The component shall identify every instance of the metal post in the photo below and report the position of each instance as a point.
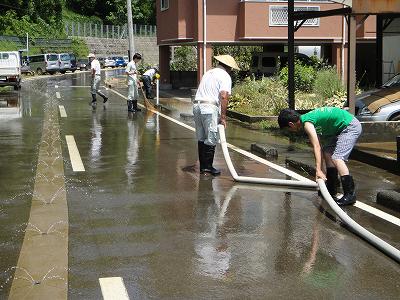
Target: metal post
(351, 69)
(27, 44)
(379, 50)
(95, 29)
(130, 29)
(158, 103)
(291, 54)
(398, 148)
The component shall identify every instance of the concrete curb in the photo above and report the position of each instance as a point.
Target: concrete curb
(389, 199)
(387, 164)
(264, 151)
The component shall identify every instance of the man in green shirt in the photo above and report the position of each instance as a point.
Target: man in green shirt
(338, 131)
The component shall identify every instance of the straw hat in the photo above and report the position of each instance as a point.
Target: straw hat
(227, 60)
(91, 55)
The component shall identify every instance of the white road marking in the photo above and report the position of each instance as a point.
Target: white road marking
(113, 288)
(381, 214)
(63, 113)
(360, 205)
(75, 157)
(58, 96)
(56, 86)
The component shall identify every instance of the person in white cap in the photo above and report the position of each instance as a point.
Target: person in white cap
(95, 79)
(209, 109)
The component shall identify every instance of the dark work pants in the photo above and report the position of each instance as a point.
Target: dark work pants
(147, 85)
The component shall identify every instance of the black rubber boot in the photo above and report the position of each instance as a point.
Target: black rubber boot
(200, 147)
(130, 105)
(94, 101)
(209, 152)
(135, 107)
(349, 191)
(332, 181)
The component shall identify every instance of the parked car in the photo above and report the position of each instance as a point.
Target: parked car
(267, 63)
(65, 62)
(119, 61)
(381, 104)
(126, 59)
(83, 64)
(74, 63)
(44, 63)
(10, 69)
(109, 62)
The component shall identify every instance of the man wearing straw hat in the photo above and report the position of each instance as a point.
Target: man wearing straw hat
(209, 109)
(95, 79)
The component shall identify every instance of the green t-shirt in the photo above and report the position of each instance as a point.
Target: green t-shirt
(328, 121)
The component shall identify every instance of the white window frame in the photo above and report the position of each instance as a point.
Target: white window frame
(164, 4)
(296, 8)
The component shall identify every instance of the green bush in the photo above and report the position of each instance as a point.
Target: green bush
(267, 96)
(327, 83)
(184, 59)
(11, 24)
(304, 76)
(79, 47)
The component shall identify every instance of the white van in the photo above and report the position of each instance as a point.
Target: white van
(10, 69)
(267, 63)
(44, 63)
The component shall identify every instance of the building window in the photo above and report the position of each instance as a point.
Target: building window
(278, 15)
(164, 4)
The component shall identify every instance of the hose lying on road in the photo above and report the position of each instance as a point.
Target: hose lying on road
(355, 227)
(306, 183)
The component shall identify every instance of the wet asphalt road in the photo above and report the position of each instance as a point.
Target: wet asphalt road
(141, 211)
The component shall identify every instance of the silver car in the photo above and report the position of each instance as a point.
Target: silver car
(380, 104)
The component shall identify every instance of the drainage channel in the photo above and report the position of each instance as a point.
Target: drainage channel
(42, 269)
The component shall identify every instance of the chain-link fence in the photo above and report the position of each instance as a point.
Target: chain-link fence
(75, 29)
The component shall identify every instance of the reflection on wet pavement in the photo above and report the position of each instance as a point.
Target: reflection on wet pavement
(142, 212)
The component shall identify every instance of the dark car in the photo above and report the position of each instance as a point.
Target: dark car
(119, 61)
(83, 64)
(74, 63)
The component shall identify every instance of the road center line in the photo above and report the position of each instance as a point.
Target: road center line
(75, 157)
(56, 86)
(374, 211)
(58, 96)
(63, 113)
(113, 288)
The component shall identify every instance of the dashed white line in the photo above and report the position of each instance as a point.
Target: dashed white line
(75, 157)
(58, 96)
(56, 86)
(360, 205)
(113, 288)
(63, 113)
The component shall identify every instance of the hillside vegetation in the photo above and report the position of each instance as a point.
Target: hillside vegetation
(45, 18)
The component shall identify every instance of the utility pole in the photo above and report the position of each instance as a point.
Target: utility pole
(291, 54)
(130, 29)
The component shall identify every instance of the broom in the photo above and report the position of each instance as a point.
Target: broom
(147, 102)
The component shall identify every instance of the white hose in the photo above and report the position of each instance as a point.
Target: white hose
(357, 228)
(300, 184)
(354, 226)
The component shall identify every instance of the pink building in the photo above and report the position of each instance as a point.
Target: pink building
(255, 22)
